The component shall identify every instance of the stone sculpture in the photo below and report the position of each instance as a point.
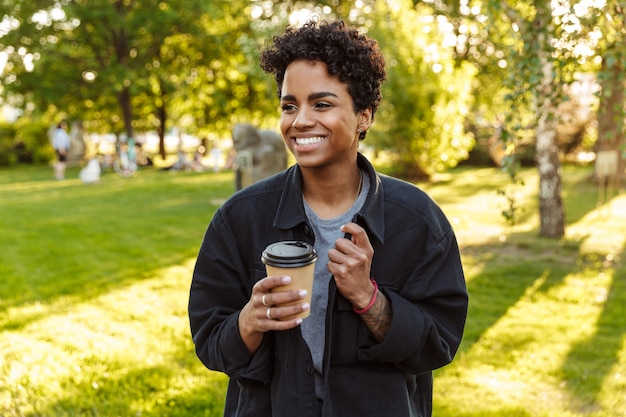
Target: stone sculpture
(260, 154)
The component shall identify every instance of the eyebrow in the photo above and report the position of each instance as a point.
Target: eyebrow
(313, 96)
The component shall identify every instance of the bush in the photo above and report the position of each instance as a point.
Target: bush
(25, 141)
(32, 144)
(7, 144)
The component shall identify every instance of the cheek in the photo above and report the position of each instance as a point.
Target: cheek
(284, 126)
(285, 123)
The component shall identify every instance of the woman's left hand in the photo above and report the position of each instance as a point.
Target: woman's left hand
(350, 263)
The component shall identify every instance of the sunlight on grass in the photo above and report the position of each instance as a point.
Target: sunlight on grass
(94, 295)
(86, 349)
(616, 382)
(546, 345)
(602, 230)
(475, 209)
(95, 283)
(522, 354)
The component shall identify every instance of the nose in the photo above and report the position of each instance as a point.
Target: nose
(303, 119)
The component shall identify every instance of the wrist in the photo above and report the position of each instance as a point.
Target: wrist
(371, 302)
(250, 337)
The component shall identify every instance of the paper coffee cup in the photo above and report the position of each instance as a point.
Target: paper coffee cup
(296, 259)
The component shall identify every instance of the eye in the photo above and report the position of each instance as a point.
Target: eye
(322, 105)
(286, 108)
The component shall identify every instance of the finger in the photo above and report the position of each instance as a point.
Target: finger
(286, 313)
(357, 234)
(345, 249)
(266, 284)
(264, 301)
(343, 262)
(342, 252)
(272, 299)
(277, 320)
(280, 325)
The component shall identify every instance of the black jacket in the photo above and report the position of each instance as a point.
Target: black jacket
(416, 264)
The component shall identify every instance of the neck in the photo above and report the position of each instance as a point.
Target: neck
(331, 196)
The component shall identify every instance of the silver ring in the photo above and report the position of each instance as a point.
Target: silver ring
(263, 301)
(267, 314)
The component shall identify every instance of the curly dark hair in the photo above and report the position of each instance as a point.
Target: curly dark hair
(354, 58)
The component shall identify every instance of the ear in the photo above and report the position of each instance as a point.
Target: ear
(365, 119)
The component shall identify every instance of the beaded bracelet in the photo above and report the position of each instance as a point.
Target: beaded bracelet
(372, 301)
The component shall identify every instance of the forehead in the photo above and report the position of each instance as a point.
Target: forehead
(305, 77)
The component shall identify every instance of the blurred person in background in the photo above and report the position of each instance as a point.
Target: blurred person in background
(61, 145)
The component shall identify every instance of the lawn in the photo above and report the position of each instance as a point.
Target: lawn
(95, 280)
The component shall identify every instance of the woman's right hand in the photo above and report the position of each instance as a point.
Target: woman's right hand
(262, 313)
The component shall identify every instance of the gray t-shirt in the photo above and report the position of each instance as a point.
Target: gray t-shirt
(326, 232)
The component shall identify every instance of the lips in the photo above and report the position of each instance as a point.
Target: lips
(309, 141)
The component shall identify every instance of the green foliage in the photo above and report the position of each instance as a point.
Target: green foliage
(511, 166)
(231, 87)
(123, 66)
(426, 98)
(25, 141)
(32, 141)
(114, 64)
(194, 65)
(7, 144)
(539, 67)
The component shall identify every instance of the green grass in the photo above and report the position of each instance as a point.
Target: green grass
(94, 291)
(547, 322)
(95, 280)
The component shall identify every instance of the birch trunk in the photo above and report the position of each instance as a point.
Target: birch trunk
(551, 212)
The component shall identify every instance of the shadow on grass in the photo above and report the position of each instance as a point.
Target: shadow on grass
(584, 373)
(66, 240)
(509, 269)
(162, 390)
(506, 271)
(458, 185)
(579, 191)
(579, 196)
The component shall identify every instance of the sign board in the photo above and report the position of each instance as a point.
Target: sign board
(607, 163)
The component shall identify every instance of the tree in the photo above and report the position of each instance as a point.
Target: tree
(607, 20)
(427, 96)
(125, 65)
(231, 87)
(538, 71)
(99, 60)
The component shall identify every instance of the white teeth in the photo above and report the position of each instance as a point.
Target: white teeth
(309, 141)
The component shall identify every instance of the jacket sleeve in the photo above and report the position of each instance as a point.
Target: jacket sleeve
(429, 310)
(220, 287)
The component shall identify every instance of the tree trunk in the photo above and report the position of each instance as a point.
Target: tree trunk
(551, 212)
(162, 116)
(610, 113)
(127, 112)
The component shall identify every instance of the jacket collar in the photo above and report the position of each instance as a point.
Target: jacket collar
(290, 210)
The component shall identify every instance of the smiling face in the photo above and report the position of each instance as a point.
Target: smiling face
(318, 122)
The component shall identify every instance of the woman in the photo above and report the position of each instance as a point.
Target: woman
(389, 299)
